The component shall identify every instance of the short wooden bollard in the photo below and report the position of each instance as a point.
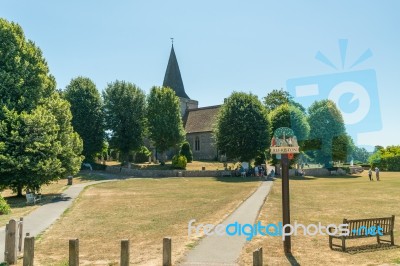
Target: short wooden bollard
(125, 252)
(73, 252)
(167, 252)
(258, 257)
(10, 253)
(29, 251)
(20, 231)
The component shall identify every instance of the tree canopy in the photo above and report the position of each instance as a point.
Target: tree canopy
(276, 98)
(24, 74)
(242, 127)
(87, 115)
(164, 121)
(327, 126)
(124, 107)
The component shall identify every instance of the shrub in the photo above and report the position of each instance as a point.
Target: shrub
(142, 155)
(179, 162)
(187, 152)
(4, 207)
(260, 158)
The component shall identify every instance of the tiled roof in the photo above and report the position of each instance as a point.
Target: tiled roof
(173, 78)
(201, 119)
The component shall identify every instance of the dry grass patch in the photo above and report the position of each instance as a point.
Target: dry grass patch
(329, 200)
(144, 211)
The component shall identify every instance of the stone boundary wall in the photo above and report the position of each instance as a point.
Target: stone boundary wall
(199, 173)
(167, 173)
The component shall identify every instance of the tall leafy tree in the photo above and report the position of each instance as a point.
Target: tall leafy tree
(87, 115)
(164, 119)
(124, 107)
(276, 98)
(24, 74)
(327, 126)
(242, 127)
(37, 142)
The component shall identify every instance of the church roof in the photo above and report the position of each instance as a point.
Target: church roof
(201, 119)
(172, 78)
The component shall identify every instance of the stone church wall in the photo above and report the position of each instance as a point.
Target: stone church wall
(208, 149)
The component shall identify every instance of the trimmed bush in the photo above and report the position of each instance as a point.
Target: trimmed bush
(4, 207)
(179, 162)
(142, 155)
(187, 152)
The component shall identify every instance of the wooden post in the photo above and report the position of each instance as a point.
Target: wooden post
(167, 261)
(10, 253)
(287, 246)
(125, 252)
(29, 251)
(258, 257)
(73, 252)
(20, 231)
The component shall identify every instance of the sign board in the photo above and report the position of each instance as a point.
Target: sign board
(284, 142)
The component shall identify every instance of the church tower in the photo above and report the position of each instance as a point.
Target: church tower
(173, 80)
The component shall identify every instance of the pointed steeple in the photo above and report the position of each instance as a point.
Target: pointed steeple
(173, 77)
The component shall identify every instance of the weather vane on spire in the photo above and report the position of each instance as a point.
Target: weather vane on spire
(172, 40)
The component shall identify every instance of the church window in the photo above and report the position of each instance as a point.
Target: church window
(197, 144)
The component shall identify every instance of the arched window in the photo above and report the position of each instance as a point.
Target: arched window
(197, 144)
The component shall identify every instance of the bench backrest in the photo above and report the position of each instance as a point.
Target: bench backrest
(360, 227)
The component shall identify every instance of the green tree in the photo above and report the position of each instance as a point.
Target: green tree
(276, 98)
(24, 74)
(71, 142)
(87, 115)
(360, 154)
(124, 108)
(187, 151)
(29, 149)
(164, 121)
(242, 127)
(327, 126)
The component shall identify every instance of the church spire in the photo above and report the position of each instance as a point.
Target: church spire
(173, 77)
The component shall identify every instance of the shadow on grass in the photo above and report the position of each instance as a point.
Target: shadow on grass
(367, 248)
(292, 260)
(16, 202)
(237, 179)
(319, 177)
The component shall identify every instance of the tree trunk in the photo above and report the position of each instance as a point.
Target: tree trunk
(19, 191)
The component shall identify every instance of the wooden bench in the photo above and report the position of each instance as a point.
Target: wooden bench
(32, 198)
(363, 228)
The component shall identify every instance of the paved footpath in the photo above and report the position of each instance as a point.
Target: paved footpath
(40, 219)
(225, 250)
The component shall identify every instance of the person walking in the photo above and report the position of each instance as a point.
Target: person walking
(377, 173)
(370, 174)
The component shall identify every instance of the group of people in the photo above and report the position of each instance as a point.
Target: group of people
(258, 170)
(376, 174)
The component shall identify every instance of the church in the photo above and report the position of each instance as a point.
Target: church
(198, 122)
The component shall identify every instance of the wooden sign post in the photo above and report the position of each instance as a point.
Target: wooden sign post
(284, 143)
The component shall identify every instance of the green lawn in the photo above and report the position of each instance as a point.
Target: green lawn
(329, 200)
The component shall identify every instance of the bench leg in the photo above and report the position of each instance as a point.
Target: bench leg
(343, 244)
(392, 238)
(378, 238)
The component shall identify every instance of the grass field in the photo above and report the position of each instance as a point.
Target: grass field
(329, 200)
(18, 205)
(144, 211)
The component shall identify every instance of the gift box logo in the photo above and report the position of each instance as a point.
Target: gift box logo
(354, 92)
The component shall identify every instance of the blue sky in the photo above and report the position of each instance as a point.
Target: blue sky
(221, 46)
